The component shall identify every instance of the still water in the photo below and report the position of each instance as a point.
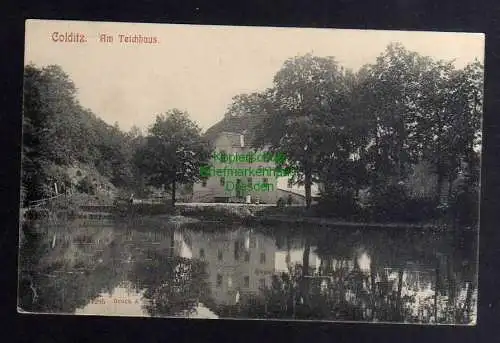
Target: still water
(214, 270)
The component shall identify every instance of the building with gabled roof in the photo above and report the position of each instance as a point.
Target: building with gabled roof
(266, 187)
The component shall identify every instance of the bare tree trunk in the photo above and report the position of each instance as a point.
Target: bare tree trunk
(450, 187)
(305, 269)
(288, 256)
(172, 244)
(468, 300)
(305, 257)
(173, 193)
(451, 282)
(373, 271)
(307, 186)
(439, 183)
(436, 293)
(399, 312)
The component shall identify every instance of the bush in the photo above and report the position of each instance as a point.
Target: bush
(416, 210)
(386, 204)
(85, 186)
(393, 204)
(465, 206)
(37, 214)
(339, 205)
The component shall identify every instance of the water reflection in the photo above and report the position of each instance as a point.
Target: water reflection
(211, 271)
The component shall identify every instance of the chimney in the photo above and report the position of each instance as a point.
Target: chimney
(242, 140)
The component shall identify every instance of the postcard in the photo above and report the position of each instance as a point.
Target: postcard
(250, 173)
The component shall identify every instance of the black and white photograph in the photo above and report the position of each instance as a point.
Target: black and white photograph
(250, 173)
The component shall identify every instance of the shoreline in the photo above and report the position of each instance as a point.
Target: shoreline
(191, 213)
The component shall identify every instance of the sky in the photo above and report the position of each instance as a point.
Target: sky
(199, 68)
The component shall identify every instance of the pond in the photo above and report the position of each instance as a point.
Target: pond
(216, 270)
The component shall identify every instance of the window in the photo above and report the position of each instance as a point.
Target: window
(246, 281)
(253, 242)
(247, 256)
(236, 250)
(262, 257)
(265, 180)
(204, 183)
(219, 255)
(249, 182)
(262, 283)
(219, 280)
(202, 253)
(229, 282)
(290, 183)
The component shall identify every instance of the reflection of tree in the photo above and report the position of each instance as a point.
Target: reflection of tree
(395, 287)
(325, 301)
(65, 291)
(339, 290)
(172, 285)
(339, 294)
(52, 282)
(304, 282)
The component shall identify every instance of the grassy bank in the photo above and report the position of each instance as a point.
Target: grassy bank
(272, 215)
(218, 212)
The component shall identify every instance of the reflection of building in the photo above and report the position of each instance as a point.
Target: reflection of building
(224, 188)
(239, 262)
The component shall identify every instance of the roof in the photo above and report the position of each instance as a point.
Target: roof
(233, 137)
(230, 124)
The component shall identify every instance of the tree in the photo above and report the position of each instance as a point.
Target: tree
(59, 132)
(344, 167)
(303, 110)
(173, 151)
(172, 285)
(464, 138)
(48, 282)
(49, 109)
(389, 93)
(419, 110)
(246, 105)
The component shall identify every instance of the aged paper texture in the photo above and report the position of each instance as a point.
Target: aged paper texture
(250, 173)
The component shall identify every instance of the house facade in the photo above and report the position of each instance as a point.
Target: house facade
(243, 181)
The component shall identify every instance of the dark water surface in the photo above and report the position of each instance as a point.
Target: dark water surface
(214, 270)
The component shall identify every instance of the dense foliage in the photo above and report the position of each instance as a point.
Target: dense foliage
(59, 133)
(362, 136)
(173, 152)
